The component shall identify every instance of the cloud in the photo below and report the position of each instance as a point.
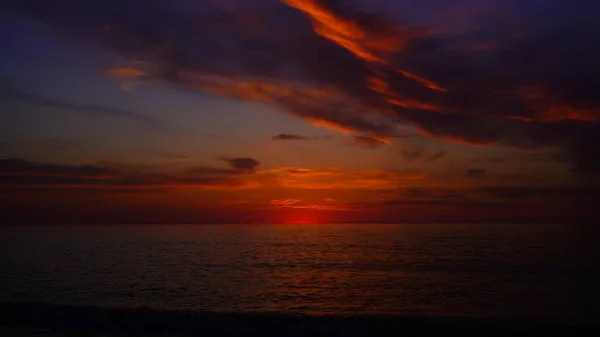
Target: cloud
(411, 155)
(87, 109)
(434, 194)
(588, 194)
(421, 153)
(369, 142)
(430, 198)
(20, 174)
(467, 204)
(541, 200)
(300, 204)
(23, 174)
(324, 207)
(374, 73)
(332, 179)
(475, 173)
(285, 202)
(287, 136)
(437, 155)
(247, 164)
(18, 167)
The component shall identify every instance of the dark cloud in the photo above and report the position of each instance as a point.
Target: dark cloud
(545, 202)
(411, 155)
(437, 155)
(584, 193)
(287, 136)
(9, 93)
(248, 164)
(23, 174)
(421, 153)
(435, 194)
(368, 142)
(438, 200)
(20, 166)
(533, 89)
(469, 204)
(475, 173)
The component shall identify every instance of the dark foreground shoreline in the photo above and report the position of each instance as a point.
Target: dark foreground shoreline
(37, 319)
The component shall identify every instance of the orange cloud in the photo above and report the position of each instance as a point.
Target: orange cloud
(385, 140)
(380, 86)
(368, 45)
(565, 112)
(343, 32)
(457, 140)
(329, 205)
(260, 91)
(120, 72)
(285, 202)
(412, 104)
(329, 125)
(323, 207)
(288, 95)
(303, 178)
(426, 82)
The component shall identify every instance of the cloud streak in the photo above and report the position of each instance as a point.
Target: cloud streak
(476, 173)
(10, 93)
(23, 174)
(332, 179)
(287, 136)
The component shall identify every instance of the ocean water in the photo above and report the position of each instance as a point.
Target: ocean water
(497, 270)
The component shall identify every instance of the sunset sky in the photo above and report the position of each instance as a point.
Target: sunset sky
(303, 111)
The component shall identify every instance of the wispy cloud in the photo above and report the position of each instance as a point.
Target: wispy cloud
(287, 136)
(332, 179)
(285, 202)
(421, 153)
(369, 142)
(14, 94)
(23, 174)
(437, 155)
(293, 137)
(475, 173)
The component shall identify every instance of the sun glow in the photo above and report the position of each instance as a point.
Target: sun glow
(302, 219)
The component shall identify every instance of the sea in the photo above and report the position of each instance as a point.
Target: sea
(441, 270)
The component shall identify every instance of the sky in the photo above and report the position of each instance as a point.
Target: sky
(299, 111)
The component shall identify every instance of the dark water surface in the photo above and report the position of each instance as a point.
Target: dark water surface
(497, 270)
